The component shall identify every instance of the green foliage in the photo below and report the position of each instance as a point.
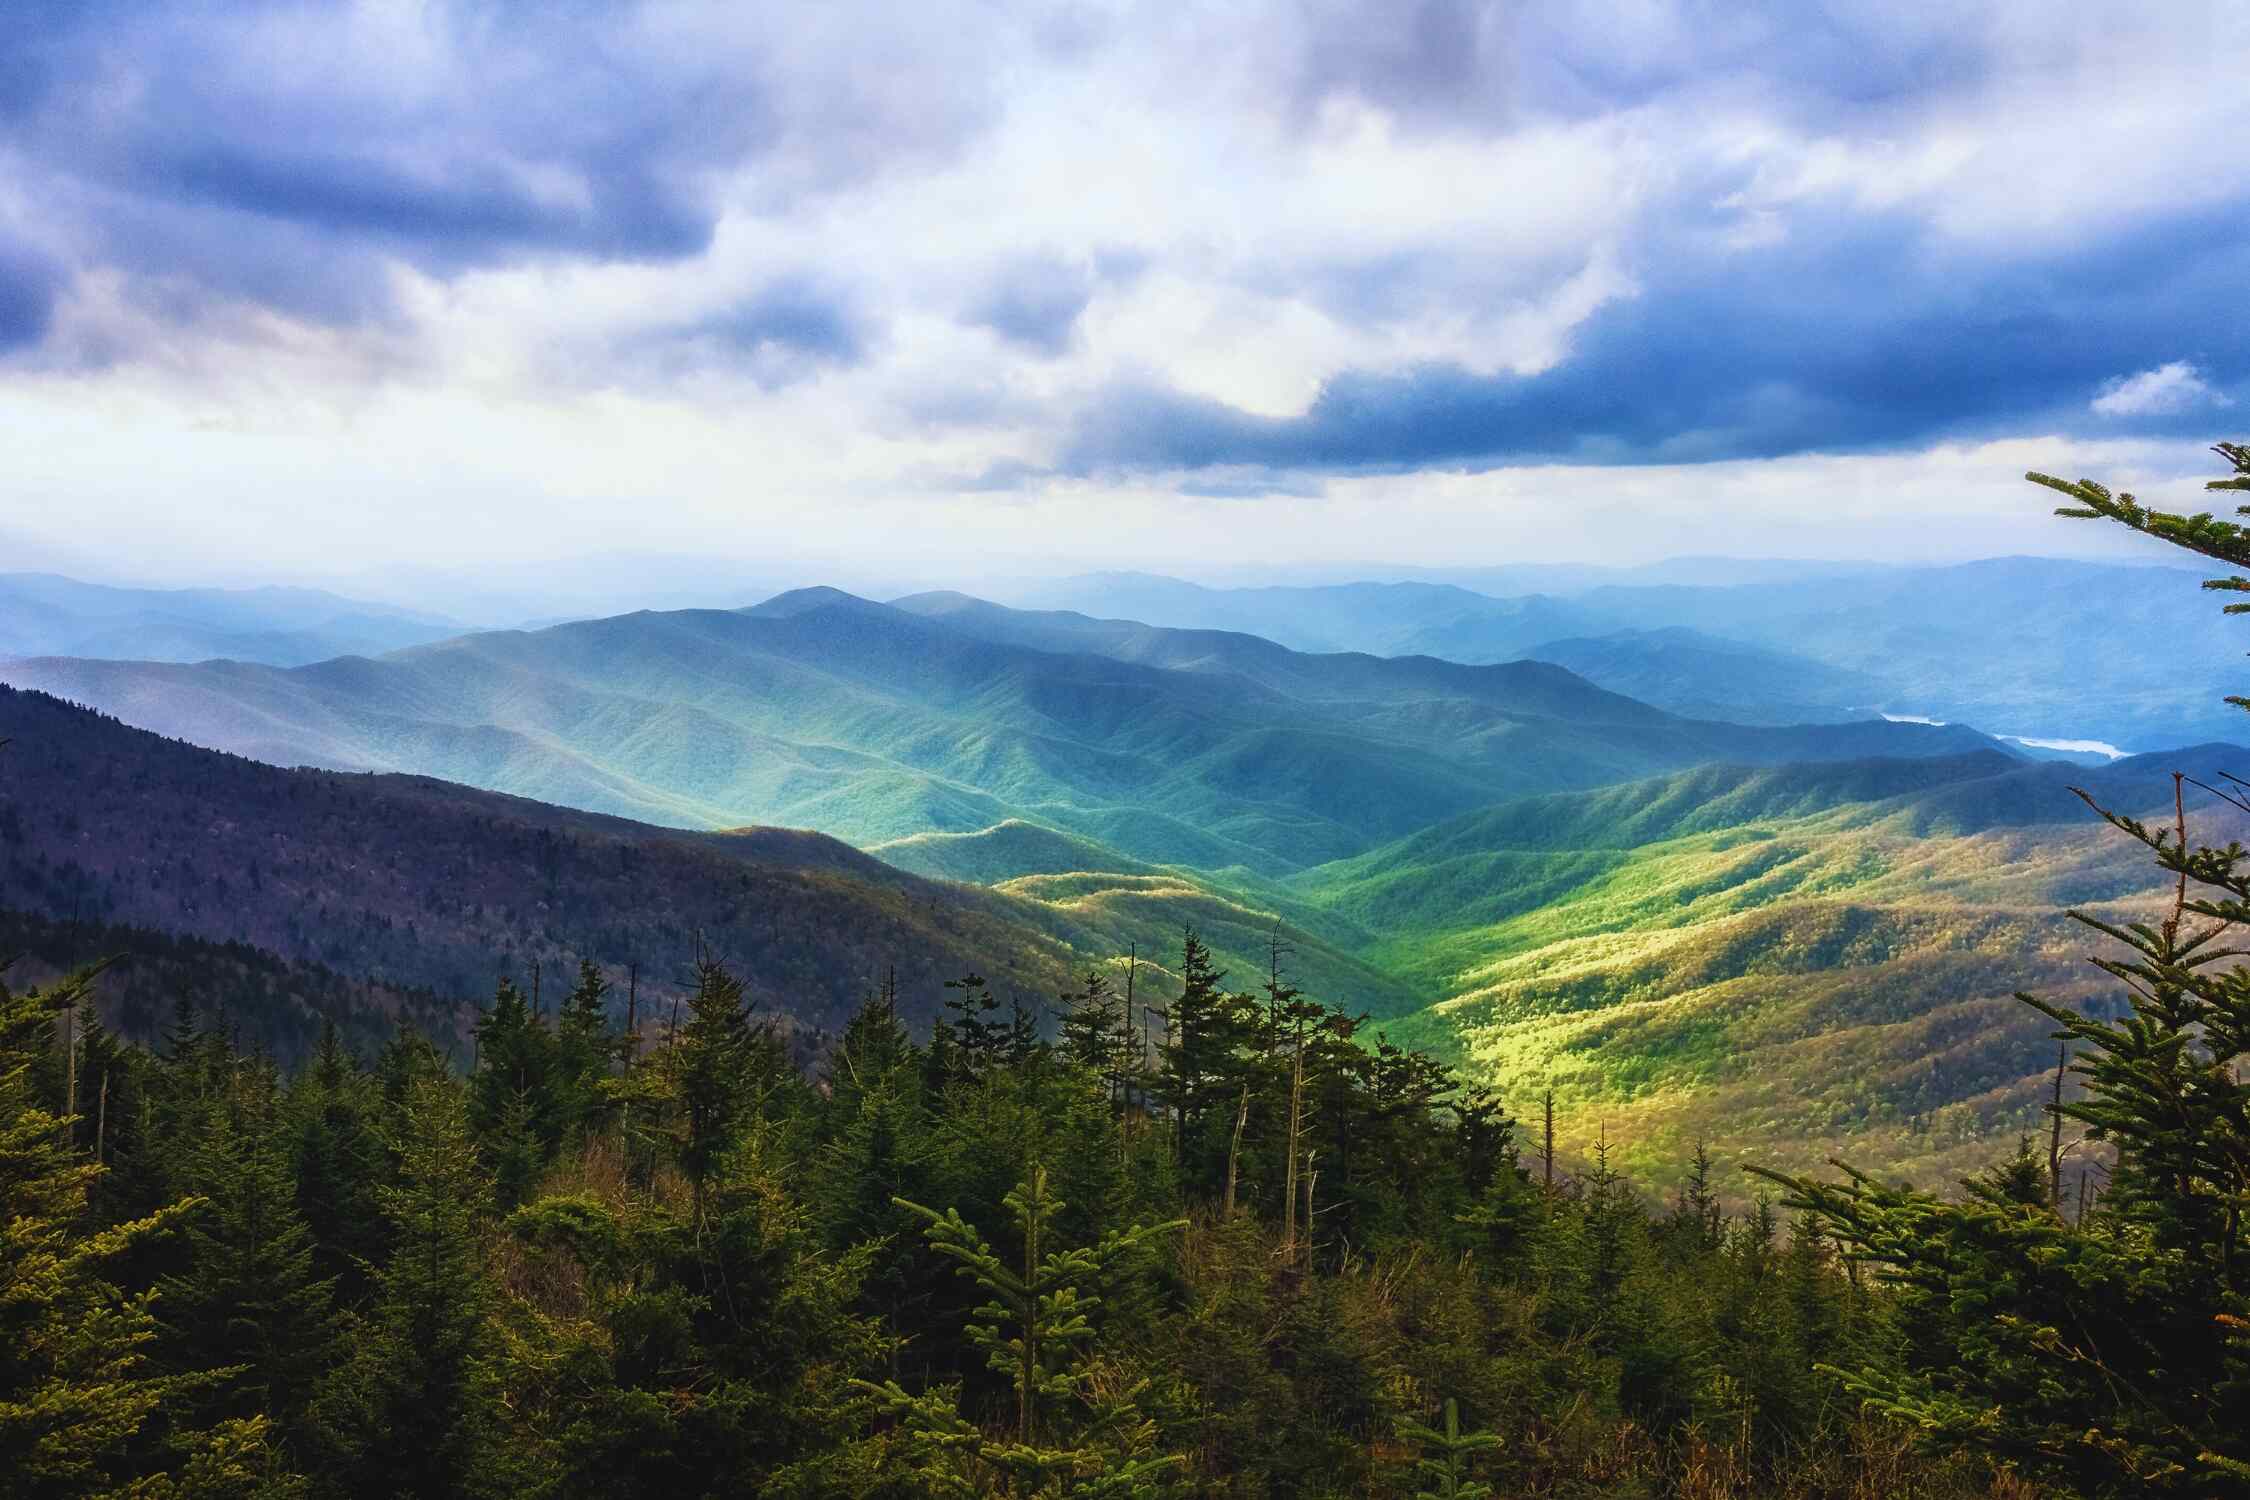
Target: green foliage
(796, 1322)
(413, 1410)
(248, 1297)
(2106, 1355)
(80, 1395)
(1097, 1444)
(2223, 541)
(1447, 1466)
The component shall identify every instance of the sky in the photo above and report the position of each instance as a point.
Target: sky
(400, 296)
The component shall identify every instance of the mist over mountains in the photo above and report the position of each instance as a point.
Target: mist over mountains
(1760, 642)
(44, 614)
(2038, 647)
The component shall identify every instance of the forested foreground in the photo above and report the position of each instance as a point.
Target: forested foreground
(991, 1263)
(1047, 1253)
(1283, 1260)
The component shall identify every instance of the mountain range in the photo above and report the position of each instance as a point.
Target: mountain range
(44, 614)
(428, 888)
(1208, 750)
(2038, 647)
(1805, 934)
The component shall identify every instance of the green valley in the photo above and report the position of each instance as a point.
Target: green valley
(1789, 939)
(1787, 964)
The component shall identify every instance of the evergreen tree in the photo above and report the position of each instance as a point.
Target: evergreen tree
(1447, 1465)
(1204, 1067)
(339, 1158)
(515, 1059)
(1697, 1225)
(2107, 1357)
(248, 1297)
(415, 1410)
(714, 1069)
(78, 1392)
(977, 1036)
(942, 1062)
(1069, 1439)
(1089, 1028)
(586, 1052)
(1484, 1138)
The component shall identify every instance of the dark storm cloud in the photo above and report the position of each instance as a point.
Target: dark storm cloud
(1849, 334)
(274, 153)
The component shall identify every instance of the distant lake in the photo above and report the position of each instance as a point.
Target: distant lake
(2075, 747)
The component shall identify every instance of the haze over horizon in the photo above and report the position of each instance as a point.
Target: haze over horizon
(919, 298)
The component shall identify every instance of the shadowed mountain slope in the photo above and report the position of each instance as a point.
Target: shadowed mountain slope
(421, 883)
(821, 710)
(418, 884)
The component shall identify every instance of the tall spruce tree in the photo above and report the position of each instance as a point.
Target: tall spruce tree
(415, 1410)
(2109, 1356)
(1069, 1438)
(80, 1396)
(721, 1067)
(332, 1110)
(1212, 1035)
(979, 1039)
(249, 1297)
(587, 1049)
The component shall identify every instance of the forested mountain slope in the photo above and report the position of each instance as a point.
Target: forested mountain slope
(873, 723)
(1706, 676)
(420, 884)
(1808, 959)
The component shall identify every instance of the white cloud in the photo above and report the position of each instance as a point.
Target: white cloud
(2169, 388)
(1274, 240)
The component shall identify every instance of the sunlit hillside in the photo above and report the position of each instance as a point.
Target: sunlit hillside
(1788, 965)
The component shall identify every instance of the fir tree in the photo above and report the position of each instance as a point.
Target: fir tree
(515, 1056)
(77, 1388)
(2108, 1356)
(249, 1297)
(585, 1052)
(1212, 1031)
(415, 1410)
(717, 1068)
(981, 1040)
(338, 1162)
(1068, 1439)
(1452, 1451)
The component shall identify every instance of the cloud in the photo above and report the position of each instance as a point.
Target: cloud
(1425, 60)
(786, 331)
(1034, 302)
(1852, 333)
(1117, 262)
(2163, 391)
(220, 153)
(29, 284)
